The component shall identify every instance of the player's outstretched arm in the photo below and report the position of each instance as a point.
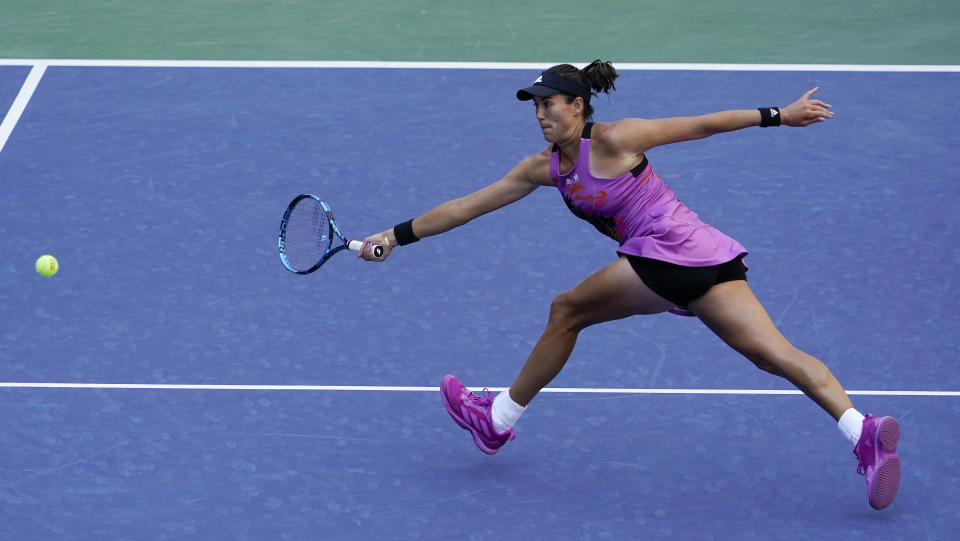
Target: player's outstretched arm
(637, 135)
(518, 183)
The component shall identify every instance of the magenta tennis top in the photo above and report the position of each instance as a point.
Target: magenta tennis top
(639, 211)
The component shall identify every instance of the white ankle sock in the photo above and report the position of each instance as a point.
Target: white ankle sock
(505, 412)
(851, 424)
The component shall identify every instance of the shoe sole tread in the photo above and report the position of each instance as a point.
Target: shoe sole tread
(886, 481)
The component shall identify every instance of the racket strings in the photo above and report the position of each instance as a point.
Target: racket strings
(307, 234)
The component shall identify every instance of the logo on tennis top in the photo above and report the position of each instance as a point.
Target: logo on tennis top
(573, 179)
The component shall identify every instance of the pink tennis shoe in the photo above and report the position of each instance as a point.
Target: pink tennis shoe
(472, 413)
(879, 462)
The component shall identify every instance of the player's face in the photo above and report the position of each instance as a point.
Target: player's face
(556, 117)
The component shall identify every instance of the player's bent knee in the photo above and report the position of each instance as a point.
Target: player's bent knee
(566, 314)
(769, 359)
(768, 367)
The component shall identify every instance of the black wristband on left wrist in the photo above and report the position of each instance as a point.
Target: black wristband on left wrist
(769, 116)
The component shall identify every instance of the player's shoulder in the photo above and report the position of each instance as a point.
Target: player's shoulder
(618, 134)
(536, 167)
(542, 156)
(537, 160)
(618, 129)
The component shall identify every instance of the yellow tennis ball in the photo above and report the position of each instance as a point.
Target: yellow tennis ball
(47, 265)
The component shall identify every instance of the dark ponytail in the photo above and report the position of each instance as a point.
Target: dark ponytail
(598, 76)
(601, 75)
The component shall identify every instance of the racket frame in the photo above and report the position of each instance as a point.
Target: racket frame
(334, 231)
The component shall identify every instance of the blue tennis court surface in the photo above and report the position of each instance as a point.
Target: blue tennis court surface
(160, 192)
(11, 78)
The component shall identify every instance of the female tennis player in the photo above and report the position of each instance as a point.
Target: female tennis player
(668, 258)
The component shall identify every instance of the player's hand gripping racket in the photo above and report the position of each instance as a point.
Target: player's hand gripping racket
(306, 235)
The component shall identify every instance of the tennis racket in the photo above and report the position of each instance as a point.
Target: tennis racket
(307, 233)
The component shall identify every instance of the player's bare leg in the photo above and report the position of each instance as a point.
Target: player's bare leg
(733, 312)
(613, 292)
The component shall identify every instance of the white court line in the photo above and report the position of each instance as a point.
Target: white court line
(20, 103)
(187, 387)
(467, 65)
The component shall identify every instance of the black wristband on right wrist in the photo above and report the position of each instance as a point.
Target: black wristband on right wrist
(769, 116)
(404, 233)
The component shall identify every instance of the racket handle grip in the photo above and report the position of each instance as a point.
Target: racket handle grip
(356, 246)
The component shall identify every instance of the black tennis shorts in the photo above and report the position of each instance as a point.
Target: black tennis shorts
(680, 284)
